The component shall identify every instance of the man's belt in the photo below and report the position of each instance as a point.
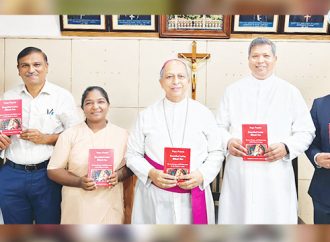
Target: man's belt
(32, 167)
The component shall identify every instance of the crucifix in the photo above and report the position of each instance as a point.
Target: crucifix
(194, 59)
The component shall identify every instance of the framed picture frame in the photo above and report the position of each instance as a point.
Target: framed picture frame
(134, 23)
(84, 22)
(255, 23)
(315, 24)
(195, 26)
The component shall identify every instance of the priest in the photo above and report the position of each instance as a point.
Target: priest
(254, 191)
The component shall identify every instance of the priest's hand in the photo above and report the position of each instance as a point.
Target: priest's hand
(275, 152)
(235, 147)
(323, 160)
(112, 180)
(191, 180)
(87, 184)
(4, 141)
(161, 179)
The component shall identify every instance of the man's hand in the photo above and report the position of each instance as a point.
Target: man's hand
(34, 136)
(4, 141)
(235, 147)
(161, 179)
(191, 180)
(323, 160)
(275, 152)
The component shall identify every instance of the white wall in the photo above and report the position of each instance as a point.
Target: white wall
(29, 25)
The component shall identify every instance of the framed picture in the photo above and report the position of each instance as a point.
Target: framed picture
(256, 23)
(141, 23)
(83, 22)
(306, 24)
(195, 26)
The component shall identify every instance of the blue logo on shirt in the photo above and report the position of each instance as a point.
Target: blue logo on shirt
(50, 112)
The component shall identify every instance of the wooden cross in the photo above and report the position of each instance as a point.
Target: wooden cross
(193, 58)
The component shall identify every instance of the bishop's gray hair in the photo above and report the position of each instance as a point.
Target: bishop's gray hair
(262, 41)
(178, 60)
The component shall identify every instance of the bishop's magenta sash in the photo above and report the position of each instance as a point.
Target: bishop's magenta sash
(198, 201)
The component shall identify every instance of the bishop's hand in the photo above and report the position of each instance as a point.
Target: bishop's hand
(161, 179)
(235, 147)
(191, 180)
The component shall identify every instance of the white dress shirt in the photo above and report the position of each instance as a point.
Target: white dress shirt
(52, 111)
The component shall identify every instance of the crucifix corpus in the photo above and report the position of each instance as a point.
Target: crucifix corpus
(194, 59)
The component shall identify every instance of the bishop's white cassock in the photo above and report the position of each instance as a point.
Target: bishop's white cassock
(153, 205)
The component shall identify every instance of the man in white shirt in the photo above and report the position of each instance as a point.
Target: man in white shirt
(26, 193)
(262, 192)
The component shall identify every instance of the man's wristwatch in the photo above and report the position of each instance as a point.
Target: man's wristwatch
(286, 149)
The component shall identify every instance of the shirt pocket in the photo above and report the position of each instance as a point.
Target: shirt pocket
(50, 124)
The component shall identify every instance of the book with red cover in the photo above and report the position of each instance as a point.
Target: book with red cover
(255, 140)
(100, 165)
(176, 161)
(11, 116)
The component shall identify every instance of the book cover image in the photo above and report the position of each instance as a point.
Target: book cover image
(176, 161)
(11, 116)
(100, 165)
(255, 140)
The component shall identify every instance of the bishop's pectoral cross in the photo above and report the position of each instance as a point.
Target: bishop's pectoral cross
(193, 58)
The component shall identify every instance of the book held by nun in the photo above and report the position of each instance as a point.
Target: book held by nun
(100, 165)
